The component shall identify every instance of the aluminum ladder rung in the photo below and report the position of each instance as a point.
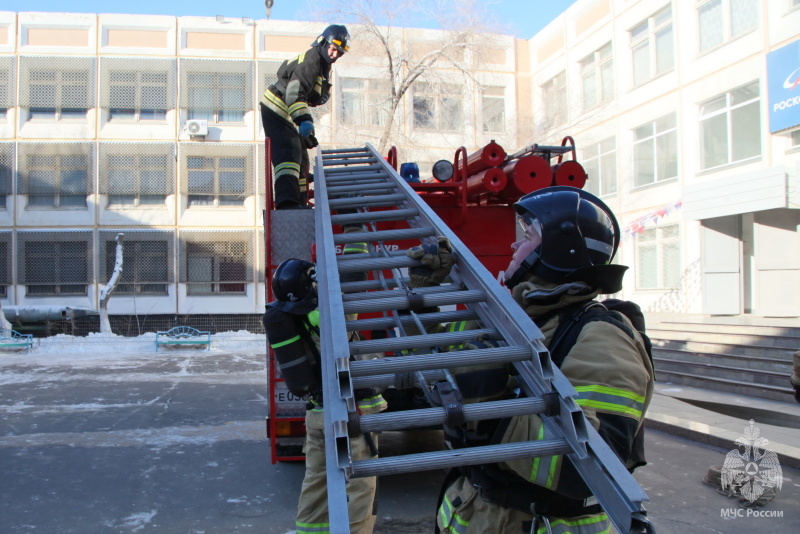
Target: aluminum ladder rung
(443, 340)
(375, 201)
(350, 161)
(348, 265)
(435, 318)
(381, 422)
(390, 293)
(428, 301)
(384, 381)
(384, 235)
(332, 172)
(441, 360)
(369, 285)
(356, 178)
(362, 188)
(425, 461)
(330, 152)
(375, 216)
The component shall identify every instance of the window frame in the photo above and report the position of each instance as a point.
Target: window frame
(58, 171)
(56, 260)
(216, 201)
(496, 97)
(603, 151)
(440, 116)
(653, 139)
(649, 32)
(371, 95)
(215, 85)
(728, 109)
(137, 114)
(659, 244)
(217, 286)
(137, 169)
(135, 260)
(592, 73)
(554, 91)
(59, 112)
(726, 23)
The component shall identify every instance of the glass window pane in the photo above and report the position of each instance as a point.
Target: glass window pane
(643, 163)
(608, 173)
(714, 136)
(711, 27)
(665, 58)
(744, 94)
(641, 64)
(745, 15)
(746, 132)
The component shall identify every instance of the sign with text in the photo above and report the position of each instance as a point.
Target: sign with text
(783, 80)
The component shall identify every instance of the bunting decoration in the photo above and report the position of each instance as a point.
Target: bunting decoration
(649, 219)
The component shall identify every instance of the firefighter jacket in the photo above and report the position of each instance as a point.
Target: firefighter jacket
(613, 375)
(302, 82)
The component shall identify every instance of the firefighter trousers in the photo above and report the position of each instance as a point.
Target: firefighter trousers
(312, 509)
(289, 160)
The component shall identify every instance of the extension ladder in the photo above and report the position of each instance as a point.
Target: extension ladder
(357, 186)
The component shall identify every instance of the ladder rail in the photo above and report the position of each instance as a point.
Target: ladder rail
(618, 493)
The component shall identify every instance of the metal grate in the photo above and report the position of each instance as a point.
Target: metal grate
(5, 259)
(57, 83)
(148, 263)
(137, 84)
(7, 83)
(135, 174)
(55, 174)
(216, 174)
(218, 90)
(54, 262)
(216, 261)
(6, 171)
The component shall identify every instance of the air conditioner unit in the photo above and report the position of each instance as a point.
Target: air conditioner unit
(197, 127)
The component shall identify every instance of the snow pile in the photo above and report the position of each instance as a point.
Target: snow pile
(241, 341)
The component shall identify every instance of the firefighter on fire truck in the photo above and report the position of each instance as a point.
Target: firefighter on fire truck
(303, 82)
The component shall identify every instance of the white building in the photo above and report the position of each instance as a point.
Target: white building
(667, 102)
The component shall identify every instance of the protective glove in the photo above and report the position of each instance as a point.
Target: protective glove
(436, 261)
(306, 128)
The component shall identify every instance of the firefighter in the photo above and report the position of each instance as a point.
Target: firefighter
(292, 325)
(559, 266)
(303, 82)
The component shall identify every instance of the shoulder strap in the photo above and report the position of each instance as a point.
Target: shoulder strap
(570, 324)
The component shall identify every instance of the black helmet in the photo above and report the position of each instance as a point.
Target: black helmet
(294, 286)
(337, 35)
(580, 236)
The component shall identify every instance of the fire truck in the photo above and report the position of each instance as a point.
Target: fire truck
(473, 194)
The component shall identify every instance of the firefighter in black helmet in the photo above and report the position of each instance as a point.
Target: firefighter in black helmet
(292, 325)
(561, 263)
(303, 82)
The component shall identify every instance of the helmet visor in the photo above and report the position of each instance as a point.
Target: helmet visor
(340, 46)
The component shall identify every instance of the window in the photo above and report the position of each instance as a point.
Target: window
(658, 258)
(655, 151)
(57, 180)
(5, 279)
(730, 127)
(138, 96)
(722, 20)
(57, 88)
(600, 162)
(597, 77)
(796, 133)
(216, 267)
(146, 266)
(216, 180)
(6, 166)
(219, 91)
(6, 86)
(493, 103)
(138, 180)
(365, 102)
(438, 107)
(56, 268)
(652, 47)
(554, 101)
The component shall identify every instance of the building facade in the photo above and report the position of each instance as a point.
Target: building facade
(667, 102)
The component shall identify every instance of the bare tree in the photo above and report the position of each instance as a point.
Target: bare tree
(105, 292)
(378, 32)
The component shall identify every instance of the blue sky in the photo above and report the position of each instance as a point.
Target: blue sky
(523, 18)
